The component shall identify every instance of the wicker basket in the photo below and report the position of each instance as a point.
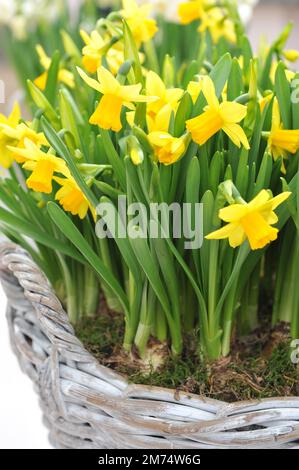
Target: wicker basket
(88, 406)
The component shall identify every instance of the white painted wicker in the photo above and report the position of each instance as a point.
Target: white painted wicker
(88, 406)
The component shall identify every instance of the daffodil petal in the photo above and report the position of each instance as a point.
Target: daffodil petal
(232, 112)
(236, 134)
(90, 81)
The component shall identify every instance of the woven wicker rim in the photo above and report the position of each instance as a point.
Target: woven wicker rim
(87, 405)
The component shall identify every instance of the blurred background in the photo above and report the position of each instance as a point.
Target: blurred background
(20, 417)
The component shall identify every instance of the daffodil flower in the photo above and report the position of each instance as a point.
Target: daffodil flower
(115, 96)
(167, 96)
(11, 122)
(216, 117)
(138, 18)
(191, 11)
(96, 48)
(64, 76)
(281, 141)
(42, 165)
(216, 21)
(159, 122)
(72, 199)
(18, 134)
(168, 149)
(252, 221)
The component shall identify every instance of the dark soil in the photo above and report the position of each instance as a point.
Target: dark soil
(259, 366)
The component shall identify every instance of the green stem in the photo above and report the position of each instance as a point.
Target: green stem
(91, 292)
(295, 317)
(248, 312)
(161, 330)
(213, 286)
(135, 299)
(112, 301)
(145, 324)
(229, 311)
(71, 298)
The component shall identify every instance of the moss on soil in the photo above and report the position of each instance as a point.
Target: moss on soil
(259, 366)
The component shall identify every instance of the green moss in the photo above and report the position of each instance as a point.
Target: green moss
(252, 372)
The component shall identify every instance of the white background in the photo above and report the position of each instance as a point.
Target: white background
(20, 417)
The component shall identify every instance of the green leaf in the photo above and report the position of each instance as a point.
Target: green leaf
(133, 181)
(266, 83)
(69, 229)
(191, 71)
(51, 85)
(68, 116)
(242, 173)
(208, 213)
(183, 113)
(192, 197)
(43, 104)
(264, 175)
(132, 53)
(283, 93)
(114, 159)
(170, 275)
(235, 81)
(108, 190)
(122, 243)
(63, 152)
(220, 73)
(22, 226)
(151, 270)
(216, 170)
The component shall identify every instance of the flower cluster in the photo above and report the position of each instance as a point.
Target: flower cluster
(126, 118)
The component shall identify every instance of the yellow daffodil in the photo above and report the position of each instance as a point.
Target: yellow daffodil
(159, 112)
(64, 76)
(281, 141)
(96, 48)
(159, 122)
(216, 21)
(216, 117)
(18, 135)
(291, 55)
(191, 11)
(156, 87)
(252, 221)
(115, 96)
(138, 18)
(72, 199)
(168, 149)
(42, 165)
(11, 122)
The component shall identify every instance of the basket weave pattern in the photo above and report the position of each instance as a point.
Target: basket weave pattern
(88, 406)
